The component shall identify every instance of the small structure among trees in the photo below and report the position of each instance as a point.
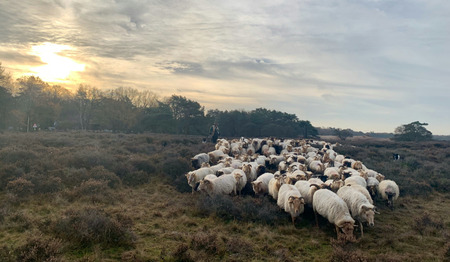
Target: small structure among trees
(414, 131)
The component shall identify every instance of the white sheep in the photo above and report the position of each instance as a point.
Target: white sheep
(372, 186)
(316, 167)
(241, 179)
(216, 155)
(261, 184)
(224, 171)
(199, 159)
(290, 199)
(360, 208)
(332, 173)
(329, 205)
(334, 184)
(223, 185)
(307, 190)
(275, 184)
(389, 191)
(250, 171)
(194, 177)
(355, 180)
(362, 190)
(295, 176)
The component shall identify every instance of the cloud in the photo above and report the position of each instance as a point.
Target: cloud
(320, 59)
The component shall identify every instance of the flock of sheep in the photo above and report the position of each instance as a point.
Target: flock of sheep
(295, 173)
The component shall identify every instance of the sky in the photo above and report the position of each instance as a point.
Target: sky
(368, 65)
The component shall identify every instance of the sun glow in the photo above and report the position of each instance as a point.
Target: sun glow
(58, 68)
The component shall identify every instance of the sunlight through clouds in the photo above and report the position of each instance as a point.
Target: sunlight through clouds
(58, 68)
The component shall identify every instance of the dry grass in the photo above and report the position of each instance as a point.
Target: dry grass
(128, 199)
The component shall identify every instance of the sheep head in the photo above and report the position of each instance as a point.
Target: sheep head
(296, 203)
(256, 185)
(379, 177)
(346, 231)
(205, 185)
(367, 213)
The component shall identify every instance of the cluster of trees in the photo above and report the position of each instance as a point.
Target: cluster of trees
(29, 100)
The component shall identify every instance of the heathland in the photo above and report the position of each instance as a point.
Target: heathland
(85, 196)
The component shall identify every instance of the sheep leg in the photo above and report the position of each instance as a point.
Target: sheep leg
(361, 226)
(317, 219)
(293, 220)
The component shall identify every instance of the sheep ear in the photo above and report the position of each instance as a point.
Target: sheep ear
(291, 199)
(302, 200)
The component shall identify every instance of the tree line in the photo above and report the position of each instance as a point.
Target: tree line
(29, 102)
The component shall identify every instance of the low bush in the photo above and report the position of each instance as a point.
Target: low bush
(89, 158)
(101, 173)
(9, 172)
(426, 224)
(95, 191)
(89, 227)
(44, 184)
(20, 187)
(40, 248)
(245, 208)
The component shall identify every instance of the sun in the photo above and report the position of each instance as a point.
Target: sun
(57, 68)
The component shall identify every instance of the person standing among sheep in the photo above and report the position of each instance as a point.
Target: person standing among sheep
(214, 132)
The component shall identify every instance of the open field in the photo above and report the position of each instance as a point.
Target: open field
(123, 197)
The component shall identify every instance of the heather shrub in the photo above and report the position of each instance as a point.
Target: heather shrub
(427, 225)
(44, 184)
(101, 173)
(74, 176)
(173, 170)
(92, 190)
(9, 172)
(89, 158)
(250, 209)
(135, 178)
(7, 254)
(16, 155)
(143, 164)
(40, 248)
(89, 227)
(20, 187)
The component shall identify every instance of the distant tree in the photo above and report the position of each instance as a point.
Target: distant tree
(307, 129)
(343, 133)
(190, 116)
(88, 99)
(6, 105)
(31, 99)
(414, 131)
(158, 119)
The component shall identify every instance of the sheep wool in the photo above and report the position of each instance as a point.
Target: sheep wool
(329, 205)
(261, 184)
(389, 191)
(223, 185)
(290, 199)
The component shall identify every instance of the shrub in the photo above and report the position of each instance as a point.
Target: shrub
(7, 254)
(9, 172)
(244, 208)
(45, 184)
(101, 173)
(92, 190)
(89, 158)
(88, 227)
(40, 248)
(136, 178)
(426, 224)
(143, 164)
(15, 155)
(20, 187)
